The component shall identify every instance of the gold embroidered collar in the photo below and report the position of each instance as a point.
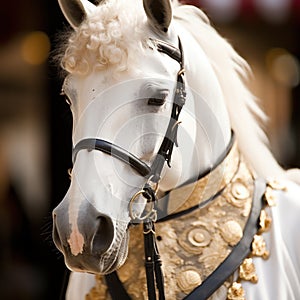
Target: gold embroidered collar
(200, 191)
(195, 244)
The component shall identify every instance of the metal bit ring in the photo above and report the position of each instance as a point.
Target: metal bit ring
(133, 215)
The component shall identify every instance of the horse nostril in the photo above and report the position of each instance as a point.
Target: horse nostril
(104, 235)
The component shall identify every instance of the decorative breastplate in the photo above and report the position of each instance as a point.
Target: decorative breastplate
(193, 245)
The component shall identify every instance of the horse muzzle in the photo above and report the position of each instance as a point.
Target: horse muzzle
(83, 239)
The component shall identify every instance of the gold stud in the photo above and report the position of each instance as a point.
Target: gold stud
(269, 197)
(188, 280)
(236, 292)
(265, 221)
(199, 237)
(247, 271)
(239, 190)
(259, 247)
(231, 232)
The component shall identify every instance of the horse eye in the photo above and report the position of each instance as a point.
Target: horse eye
(159, 99)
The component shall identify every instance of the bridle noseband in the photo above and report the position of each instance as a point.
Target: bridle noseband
(164, 154)
(114, 150)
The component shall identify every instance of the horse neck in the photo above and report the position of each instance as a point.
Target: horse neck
(205, 128)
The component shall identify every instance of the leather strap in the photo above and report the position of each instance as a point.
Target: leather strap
(190, 209)
(149, 244)
(238, 253)
(113, 150)
(153, 263)
(168, 49)
(164, 153)
(115, 287)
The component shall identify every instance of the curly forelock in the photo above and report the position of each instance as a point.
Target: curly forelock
(112, 36)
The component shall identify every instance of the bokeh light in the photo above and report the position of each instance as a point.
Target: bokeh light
(283, 66)
(35, 48)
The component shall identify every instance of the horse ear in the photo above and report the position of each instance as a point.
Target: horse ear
(75, 11)
(159, 13)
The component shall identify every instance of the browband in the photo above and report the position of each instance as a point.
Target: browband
(170, 50)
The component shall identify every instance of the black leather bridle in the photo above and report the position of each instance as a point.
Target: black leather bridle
(164, 154)
(152, 173)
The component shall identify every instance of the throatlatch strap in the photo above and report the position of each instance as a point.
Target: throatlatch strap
(238, 253)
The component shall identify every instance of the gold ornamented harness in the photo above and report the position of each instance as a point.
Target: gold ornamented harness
(192, 246)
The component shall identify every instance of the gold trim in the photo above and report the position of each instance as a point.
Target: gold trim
(195, 193)
(247, 271)
(265, 222)
(236, 292)
(269, 197)
(247, 268)
(259, 247)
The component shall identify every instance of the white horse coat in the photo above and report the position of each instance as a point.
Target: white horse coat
(213, 73)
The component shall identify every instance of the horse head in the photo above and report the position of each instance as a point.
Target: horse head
(121, 87)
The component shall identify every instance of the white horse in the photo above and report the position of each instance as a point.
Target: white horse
(122, 60)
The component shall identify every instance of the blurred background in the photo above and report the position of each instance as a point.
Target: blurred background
(36, 124)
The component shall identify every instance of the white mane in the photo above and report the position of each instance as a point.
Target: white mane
(232, 70)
